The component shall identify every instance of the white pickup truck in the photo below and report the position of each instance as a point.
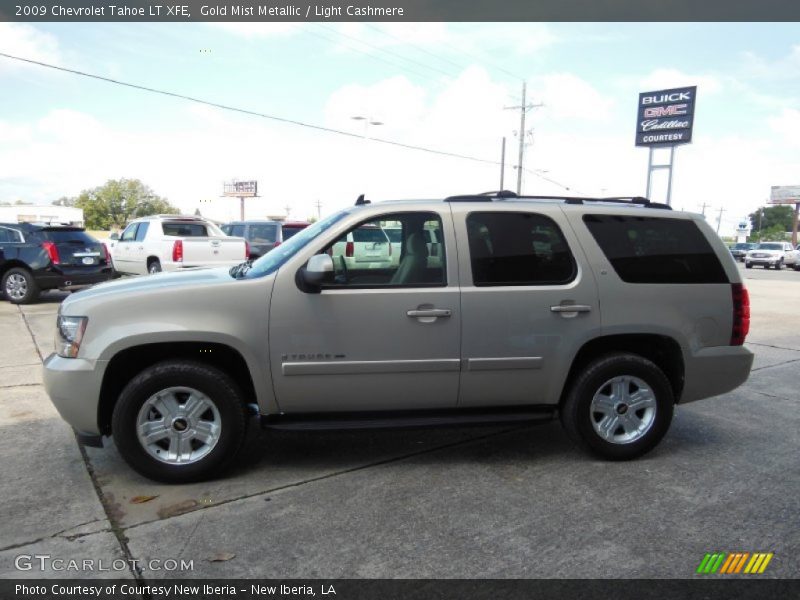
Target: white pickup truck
(175, 242)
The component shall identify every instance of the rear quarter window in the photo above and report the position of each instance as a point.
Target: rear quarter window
(656, 249)
(185, 229)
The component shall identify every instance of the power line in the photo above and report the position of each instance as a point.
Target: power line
(389, 52)
(275, 118)
(250, 112)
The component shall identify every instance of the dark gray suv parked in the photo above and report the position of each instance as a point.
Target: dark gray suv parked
(263, 236)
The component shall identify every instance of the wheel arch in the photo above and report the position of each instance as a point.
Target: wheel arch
(662, 350)
(128, 363)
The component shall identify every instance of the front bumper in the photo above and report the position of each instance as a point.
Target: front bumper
(73, 385)
(714, 371)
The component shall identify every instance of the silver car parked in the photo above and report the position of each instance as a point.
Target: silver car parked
(603, 313)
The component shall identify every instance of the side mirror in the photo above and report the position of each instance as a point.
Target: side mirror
(114, 236)
(316, 273)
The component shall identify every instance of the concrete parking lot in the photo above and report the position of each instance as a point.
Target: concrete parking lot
(497, 502)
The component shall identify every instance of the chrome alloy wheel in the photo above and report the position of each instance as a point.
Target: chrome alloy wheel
(16, 286)
(623, 409)
(178, 425)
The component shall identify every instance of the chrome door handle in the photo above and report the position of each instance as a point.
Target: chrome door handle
(570, 308)
(431, 312)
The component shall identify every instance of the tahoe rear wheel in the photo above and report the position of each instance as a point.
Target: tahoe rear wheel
(619, 407)
(179, 421)
(154, 266)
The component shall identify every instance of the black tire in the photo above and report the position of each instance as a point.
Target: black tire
(748, 265)
(579, 420)
(779, 266)
(154, 266)
(19, 286)
(215, 385)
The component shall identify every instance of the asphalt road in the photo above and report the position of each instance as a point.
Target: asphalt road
(515, 501)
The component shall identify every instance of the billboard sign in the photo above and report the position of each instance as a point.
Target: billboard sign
(241, 189)
(784, 194)
(666, 117)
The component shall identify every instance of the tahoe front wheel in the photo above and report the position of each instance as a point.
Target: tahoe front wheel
(179, 421)
(619, 407)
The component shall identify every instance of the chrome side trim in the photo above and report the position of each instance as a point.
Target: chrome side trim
(496, 364)
(354, 367)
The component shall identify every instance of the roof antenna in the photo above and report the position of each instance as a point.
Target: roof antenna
(360, 201)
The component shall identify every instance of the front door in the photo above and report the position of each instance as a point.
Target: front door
(381, 337)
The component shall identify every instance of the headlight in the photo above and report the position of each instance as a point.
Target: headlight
(69, 333)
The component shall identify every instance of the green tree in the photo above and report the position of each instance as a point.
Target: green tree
(118, 201)
(773, 216)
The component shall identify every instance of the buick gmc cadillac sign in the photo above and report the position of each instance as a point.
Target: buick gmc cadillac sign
(666, 117)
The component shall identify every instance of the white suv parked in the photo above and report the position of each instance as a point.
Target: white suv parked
(772, 254)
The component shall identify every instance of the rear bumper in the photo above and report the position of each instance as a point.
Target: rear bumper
(715, 371)
(74, 278)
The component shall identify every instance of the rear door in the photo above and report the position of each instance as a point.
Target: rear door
(528, 304)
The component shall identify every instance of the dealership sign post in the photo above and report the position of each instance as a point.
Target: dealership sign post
(787, 194)
(665, 120)
(241, 190)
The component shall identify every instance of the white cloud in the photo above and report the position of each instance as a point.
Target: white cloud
(257, 30)
(787, 125)
(662, 79)
(566, 96)
(27, 42)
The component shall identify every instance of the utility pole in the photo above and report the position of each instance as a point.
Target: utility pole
(502, 163)
(523, 108)
(704, 206)
(719, 218)
(319, 209)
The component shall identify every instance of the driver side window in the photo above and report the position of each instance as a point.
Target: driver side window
(129, 234)
(398, 250)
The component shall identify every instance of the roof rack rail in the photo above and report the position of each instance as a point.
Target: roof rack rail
(502, 194)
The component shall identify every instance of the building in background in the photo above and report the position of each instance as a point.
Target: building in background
(41, 213)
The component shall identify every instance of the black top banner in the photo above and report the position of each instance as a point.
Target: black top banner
(399, 10)
(666, 117)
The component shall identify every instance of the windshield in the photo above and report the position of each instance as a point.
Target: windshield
(272, 260)
(769, 247)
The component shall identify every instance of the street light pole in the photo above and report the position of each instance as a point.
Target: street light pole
(367, 122)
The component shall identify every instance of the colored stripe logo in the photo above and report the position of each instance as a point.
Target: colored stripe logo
(733, 563)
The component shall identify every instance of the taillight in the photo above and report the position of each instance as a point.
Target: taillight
(108, 254)
(246, 249)
(52, 251)
(177, 251)
(741, 314)
(276, 244)
(349, 249)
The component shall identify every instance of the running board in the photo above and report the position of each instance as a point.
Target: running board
(400, 419)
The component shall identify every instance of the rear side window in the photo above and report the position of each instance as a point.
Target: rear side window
(142, 231)
(64, 236)
(10, 235)
(656, 249)
(185, 229)
(234, 230)
(518, 249)
(290, 230)
(369, 234)
(263, 233)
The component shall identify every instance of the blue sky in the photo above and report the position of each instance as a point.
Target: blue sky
(437, 85)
